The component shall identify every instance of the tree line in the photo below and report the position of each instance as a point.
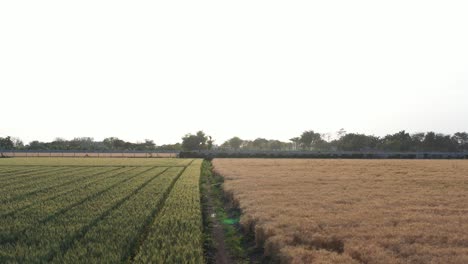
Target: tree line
(308, 141)
(399, 142)
(84, 144)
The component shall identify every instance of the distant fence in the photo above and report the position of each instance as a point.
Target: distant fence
(205, 154)
(94, 154)
(323, 155)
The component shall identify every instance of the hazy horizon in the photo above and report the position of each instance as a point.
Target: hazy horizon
(333, 135)
(272, 69)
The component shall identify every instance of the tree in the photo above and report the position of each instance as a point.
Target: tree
(82, 143)
(114, 143)
(36, 145)
(247, 144)
(176, 146)
(275, 145)
(59, 144)
(417, 141)
(326, 136)
(260, 143)
(202, 138)
(296, 141)
(400, 141)
(17, 143)
(194, 142)
(309, 138)
(6, 143)
(357, 142)
(145, 146)
(191, 142)
(235, 143)
(340, 133)
(209, 143)
(461, 138)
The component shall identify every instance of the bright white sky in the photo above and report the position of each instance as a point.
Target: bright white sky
(160, 69)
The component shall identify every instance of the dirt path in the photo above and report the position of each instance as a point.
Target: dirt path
(222, 255)
(220, 250)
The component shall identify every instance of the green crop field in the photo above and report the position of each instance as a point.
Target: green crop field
(98, 210)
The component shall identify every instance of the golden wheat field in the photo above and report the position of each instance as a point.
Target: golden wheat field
(352, 211)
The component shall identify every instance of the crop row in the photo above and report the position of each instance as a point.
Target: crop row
(41, 203)
(49, 235)
(15, 223)
(176, 234)
(23, 180)
(9, 169)
(32, 181)
(56, 179)
(14, 170)
(28, 173)
(104, 241)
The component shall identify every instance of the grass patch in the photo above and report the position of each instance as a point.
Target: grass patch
(240, 246)
(208, 242)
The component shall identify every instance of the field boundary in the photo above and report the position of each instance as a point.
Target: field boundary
(228, 242)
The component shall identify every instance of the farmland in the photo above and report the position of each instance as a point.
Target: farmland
(127, 210)
(111, 210)
(352, 211)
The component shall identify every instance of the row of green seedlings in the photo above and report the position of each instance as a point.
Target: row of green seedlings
(48, 193)
(29, 213)
(14, 170)
(46, 180)
(54, 179)
(42, 204)
(176, 235)
(28, 176)
(116, 235)
(68, 219)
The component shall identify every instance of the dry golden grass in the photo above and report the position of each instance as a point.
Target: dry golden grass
(353, 211)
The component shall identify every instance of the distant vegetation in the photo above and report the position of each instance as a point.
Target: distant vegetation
(199, 141)
(399, 142)
(307, 141)
(85, 144)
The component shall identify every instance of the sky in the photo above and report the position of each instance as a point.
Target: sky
(160, 69)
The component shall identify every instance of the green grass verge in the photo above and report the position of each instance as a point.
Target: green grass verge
(239, 245)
